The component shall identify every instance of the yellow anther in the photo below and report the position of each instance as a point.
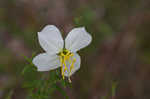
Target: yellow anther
(72, 65)
(67, 53)
(66, 56)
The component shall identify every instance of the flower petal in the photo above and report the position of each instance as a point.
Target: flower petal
(46, 62)
(78, 38)
(50, 39)
(76, 65)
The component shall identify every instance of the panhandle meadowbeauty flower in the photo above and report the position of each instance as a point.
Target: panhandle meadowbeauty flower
(61, 53)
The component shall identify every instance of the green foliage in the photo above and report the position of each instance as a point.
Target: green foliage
(114, 85)
(104, 97)
(41, 85)
(113, 88)
(9, 94)
(85, 18)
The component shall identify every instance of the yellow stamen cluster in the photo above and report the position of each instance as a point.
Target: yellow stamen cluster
(66, 57)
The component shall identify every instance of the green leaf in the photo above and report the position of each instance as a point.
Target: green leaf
(114, 86)
(9, 94)
(62, 92)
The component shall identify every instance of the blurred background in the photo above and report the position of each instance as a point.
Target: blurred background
(119, 52)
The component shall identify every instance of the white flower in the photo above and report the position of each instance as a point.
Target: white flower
(59, 52)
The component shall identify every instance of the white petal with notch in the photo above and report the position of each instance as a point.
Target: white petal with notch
(77, 38)
(50, 39)
(46, 62)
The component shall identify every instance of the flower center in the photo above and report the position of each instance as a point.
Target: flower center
(67, 63)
